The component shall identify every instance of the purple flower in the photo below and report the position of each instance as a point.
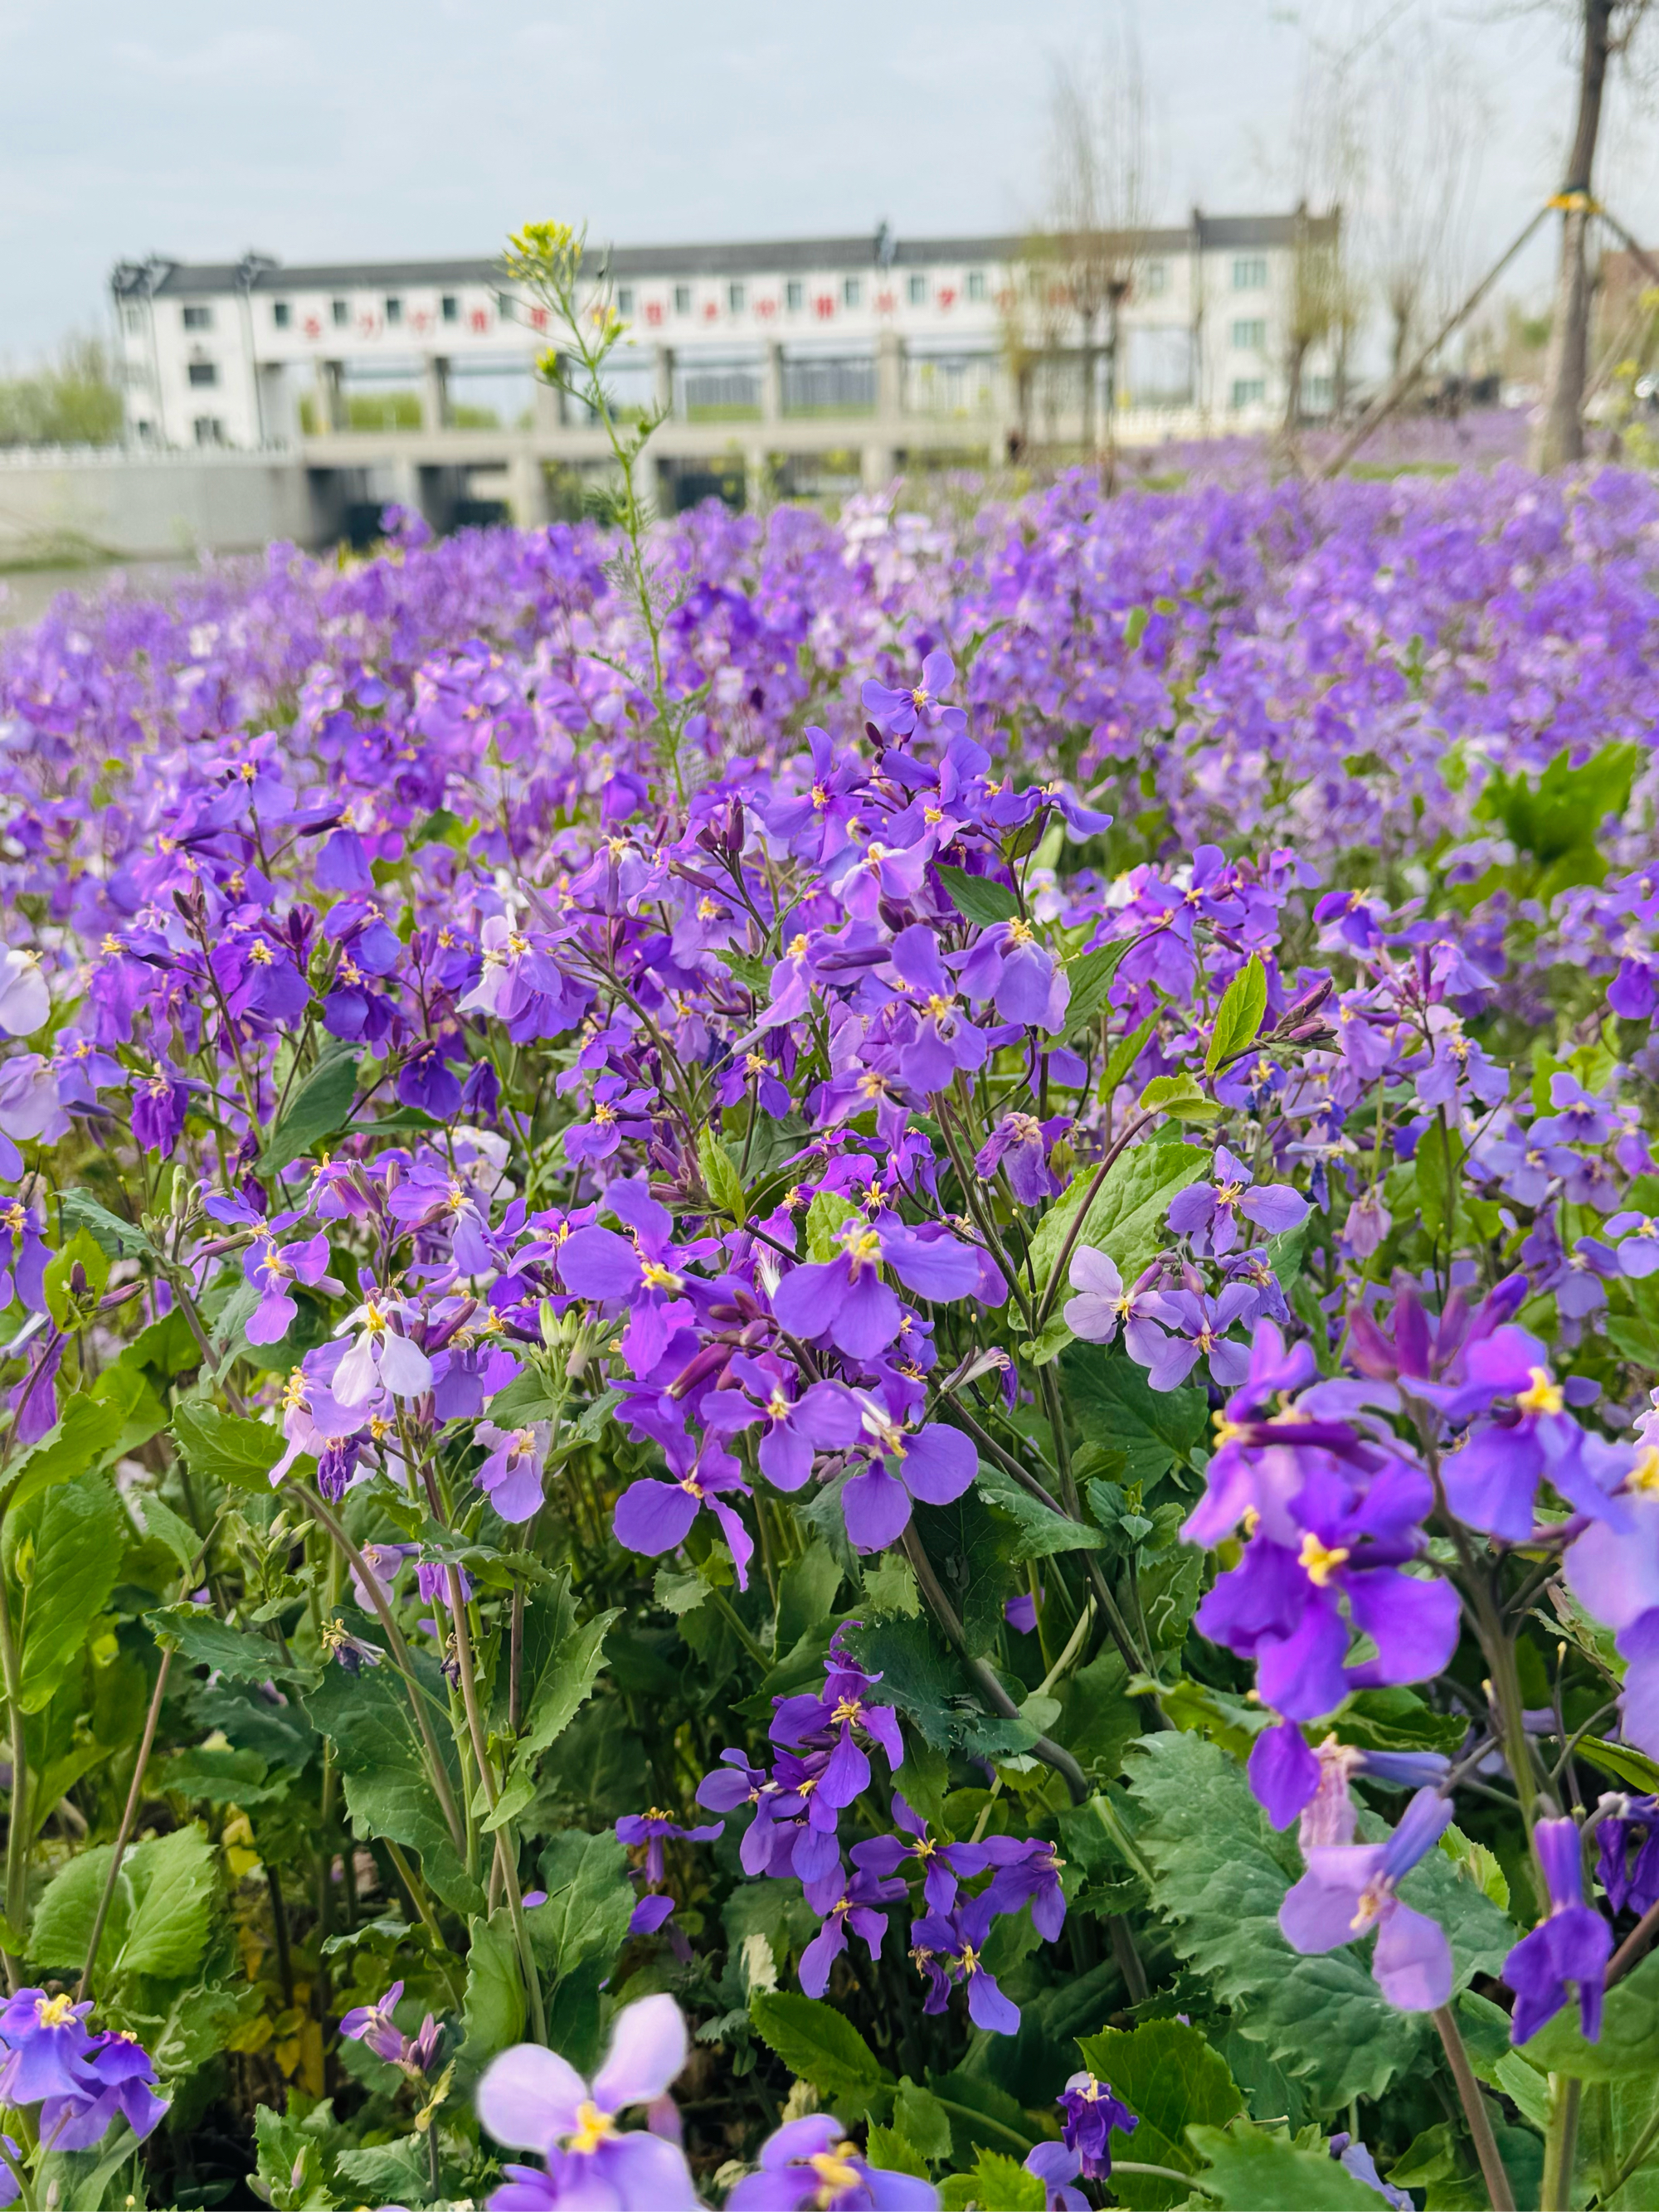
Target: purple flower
(1019, 1146)
(808, 2165)
(1208, 1212)
(652, 1829)
(1572, 1943)
(845, 1301)
(653, 1517)
(1580, 1118)
(47, 2044)
(382, 1357)
(1349, 1889)
(1021, 1614)
(1056, 2165)
(271, 1268)
(1627, 1882)
(1197, 1328)
(823, 1418)
(532, 2099)
(25, 1001)
(844, 1902)
(1615, 1573)
(941, 1039)
(511, 1474)
(120, 2083)
(1006, 965)
(1093, 2109)
(934, 1463)
(1493, 1479)
(1638, 1249)
(1029, 1869)
(372, 2024)
(899, 712)
(943, 1864)
(947, 1949)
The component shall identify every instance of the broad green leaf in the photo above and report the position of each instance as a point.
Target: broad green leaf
(996, 2183)
(820, 2045)
(589, 1901)
(1623, 1762)
(62, 1927)
(1246, 2169)
(806, 1592)
(387, 1793)
(320, 1108)
(1114, 1405)
(1090, 977)
(1171, 2079)
(81, 1251)
(565, 1685)
(204, 1640)
(174, 1880)
(1629, 2041)
(824, 1217)
(891, 2152)
(1127, 1215)
(494, 2014)
(167, 1526)
(87, 1431)
(224, 1448)
(720, 1178)
(921, 2120)
(1124, 1054)
(118, 1239)
(977, 899)
(1238, 1017)
(1180, 1096)
(78, 1549)
(1042, 1532)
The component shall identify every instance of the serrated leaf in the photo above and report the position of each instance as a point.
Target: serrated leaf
(1238, 1017)
(174, 1879)
(88, 1430)
(319, 1109)
(1171, 2079)
(206, 1640)
(565, 1685)
(225, 1448)
(589, 1900)
(120, 1239)
(78, 1550)
(1629, 2041)
(1042, 1532)
(927, 1683)
(1114, 1405)
(1180, 1096)
(720, 1178)
(1126, 1216)
(819, 2045)
(62, 1927)
(167, 1526)
(1246, 2168)
(996, 2183)
(977, 899)
(494, 2014)
(824, 1217)
(81, 1251)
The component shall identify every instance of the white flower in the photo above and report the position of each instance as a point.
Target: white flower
(380, 1359)
(25, 1001)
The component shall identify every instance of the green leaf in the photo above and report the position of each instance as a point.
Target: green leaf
(1135, 626)
(494, 2014)
(1181, 1098)
(1124, 1054)
(319, 1109)
(564, 1685)
(225, 1448)
(1623, 1763)
(824, 1217)
(366, 1718)
(88, 1428)
(167, 1526)
(1090, 977)
(977, 899)
(1238, 1017)
(720, 1178)
(117, 1239)
(806, 1592)
(221, 1778)
(1170, 2078)
(1128, 1214)
(61, 1928)
(1246, 2169)
(81, 1251)
(1220, 1876)
(890, 2152)
(997, 2183)
(174, 1879)
(1042, 1532)
(921, 2120)
(589, 1900)
(78, 1550)
(1114, 1405)
(1629, 2041)
(922, 1680)
(206, 1641)
(820, 2045)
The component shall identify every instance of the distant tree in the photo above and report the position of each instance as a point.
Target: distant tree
(1427, 122)
(1328, 167)
(72, 401)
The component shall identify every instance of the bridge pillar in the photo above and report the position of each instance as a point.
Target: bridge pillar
(772, 383)
(526, 492)
(331, 396)
(434, 392)
(547, 406)
(663, 365)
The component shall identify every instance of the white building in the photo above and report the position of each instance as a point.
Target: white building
(775, 354)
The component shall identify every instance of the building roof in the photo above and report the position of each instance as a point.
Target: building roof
(261, 273)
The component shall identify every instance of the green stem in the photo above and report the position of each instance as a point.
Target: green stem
(1062, 1258)
(1644, 2143)
(18, 1830)
(422, 1905)
(1560, 2143)
(1499, 2193)
(134, 1794)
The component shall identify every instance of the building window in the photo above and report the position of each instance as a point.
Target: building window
(449, 307)
(624, 299)
(852, 291)
(1249, 391)
(918, 291)
(203, 372)
(682, 299)
(281, 313)
(1250, 274)
(1318, 394)
(794, 293)
(977, 286)
(394, 308)
(133, 318)
(1157, 276)
(1249, 336)
(208, 429)
(342, 313)
(736, 298)
(506, 307)
(198, 319)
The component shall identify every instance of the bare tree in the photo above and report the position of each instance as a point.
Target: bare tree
(1427, 123)
(1099, 203)
(1606, 31)
(1328, 167)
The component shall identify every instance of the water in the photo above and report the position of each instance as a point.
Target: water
(25, 594)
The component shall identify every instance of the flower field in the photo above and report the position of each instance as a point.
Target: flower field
(827, 1361)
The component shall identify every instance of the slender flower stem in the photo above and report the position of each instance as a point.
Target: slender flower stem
(130, 1814)
(18, 1827)
(1502, 2197)
(1631, 1951)
(1560, 2143)
(1062, 1258)
(422, 1904)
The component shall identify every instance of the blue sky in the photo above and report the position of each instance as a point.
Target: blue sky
(317, 131)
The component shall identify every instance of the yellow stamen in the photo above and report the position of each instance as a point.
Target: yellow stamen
(592, 2127)
(1320, 1560)
(1543, 1395)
